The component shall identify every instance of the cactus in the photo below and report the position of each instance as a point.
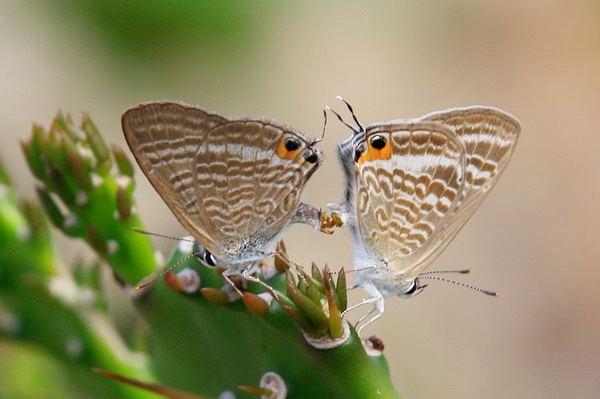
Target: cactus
(195, 337)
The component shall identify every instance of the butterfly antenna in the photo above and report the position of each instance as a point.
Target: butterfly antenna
(327, 107)
(161, 235)
(490, 293)
(315, 141)
(464, 271)
(161, 274)
(362, 128)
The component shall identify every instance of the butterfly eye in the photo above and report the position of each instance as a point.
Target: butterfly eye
(412, 288)
(310, 157)
(291, 143)
(208, 258)
(378, 142)
(358, 152)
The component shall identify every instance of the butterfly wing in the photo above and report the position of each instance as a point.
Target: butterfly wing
(489, 135)
(407, 189)
(163, 138)
(232, 184)
(248, 184)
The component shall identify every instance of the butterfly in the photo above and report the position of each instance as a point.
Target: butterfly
(233, 184)
(412, 184)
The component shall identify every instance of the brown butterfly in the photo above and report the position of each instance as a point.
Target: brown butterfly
(234, 184)
(412, 184)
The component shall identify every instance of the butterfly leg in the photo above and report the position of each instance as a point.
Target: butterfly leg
(312, 216)
(307, 214)
(371, 320)
(378, 306)
(229, 283)
(365, 301)
(248, 276)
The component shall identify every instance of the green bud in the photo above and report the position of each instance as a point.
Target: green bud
(52, 210)
(80, 171)
(97, 144)
(341, 290)
(316, 273)
(314, 311)
(96, 241)
(123, 202)
(66, 125)
(61, 186)
(299, 317)
(123, 163)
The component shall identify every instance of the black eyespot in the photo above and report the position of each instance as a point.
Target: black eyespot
(378, 142)
(412, 288)
(358, 152)
(208, 258)
(310, 157)
(291, 143)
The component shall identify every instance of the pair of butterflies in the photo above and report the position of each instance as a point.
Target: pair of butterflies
(412, 184)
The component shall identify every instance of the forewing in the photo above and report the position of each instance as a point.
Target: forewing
(407, 190)
(163, 138)
(247, 184)
(489, 135)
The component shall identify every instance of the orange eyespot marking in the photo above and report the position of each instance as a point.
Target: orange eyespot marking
(288, 147)
(378, 147)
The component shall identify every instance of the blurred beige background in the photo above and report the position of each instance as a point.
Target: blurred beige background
(534, 239)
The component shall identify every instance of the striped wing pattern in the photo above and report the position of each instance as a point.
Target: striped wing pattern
(403, 201)
(411, 205)
(246, 192)
(163, 138)
(223, 179)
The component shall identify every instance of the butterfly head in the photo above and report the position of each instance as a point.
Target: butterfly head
(312, 155)
(207, 258)
(413, 289)
(366, 144)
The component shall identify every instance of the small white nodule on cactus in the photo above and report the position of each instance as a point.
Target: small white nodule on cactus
(189, 280)
(275, 383)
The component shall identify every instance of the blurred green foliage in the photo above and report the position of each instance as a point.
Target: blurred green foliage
(151, 29)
